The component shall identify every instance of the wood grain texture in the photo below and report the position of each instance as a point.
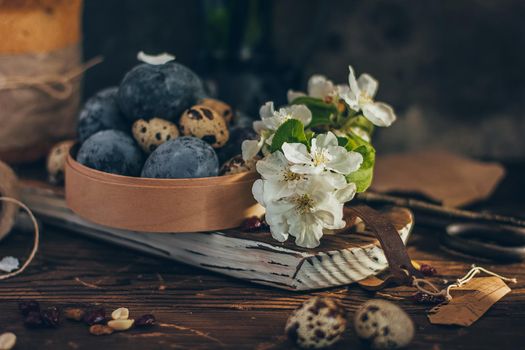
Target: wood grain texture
(199, 309)
(341, 259)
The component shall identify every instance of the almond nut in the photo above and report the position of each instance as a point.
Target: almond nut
(100, 329)
(121, 313)
(121, 325)
(7, 341)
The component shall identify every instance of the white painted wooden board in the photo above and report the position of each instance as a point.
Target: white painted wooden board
(341, 259)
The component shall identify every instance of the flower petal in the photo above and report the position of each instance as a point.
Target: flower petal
(292, 95)
(352, 82)
(296, 153)
(351, 99)
(250, 148)
(343, 161)
(272, 166)
(258, 191)
(266, 110)
(306, 169)
(301, 113)
(325, 140)
(379, 113)
(367, 84)
(320, 87)
(306, 230)
(347, 193)
(258, 126)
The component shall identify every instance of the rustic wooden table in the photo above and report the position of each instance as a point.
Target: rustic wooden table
(198, 309)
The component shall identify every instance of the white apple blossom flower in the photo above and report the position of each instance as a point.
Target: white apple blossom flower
(270, 121)
(359, 95)
(319, 87)
(306, 213)
(325, 154)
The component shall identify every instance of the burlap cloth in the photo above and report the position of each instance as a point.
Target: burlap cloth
(39, 98)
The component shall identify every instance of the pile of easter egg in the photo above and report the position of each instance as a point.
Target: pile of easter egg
(159, 123)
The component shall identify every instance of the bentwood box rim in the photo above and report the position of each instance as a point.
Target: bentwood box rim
(159, 205)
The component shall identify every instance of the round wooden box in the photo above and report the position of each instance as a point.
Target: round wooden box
(159, 205)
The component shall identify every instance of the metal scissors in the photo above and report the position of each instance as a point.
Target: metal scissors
(490, 241)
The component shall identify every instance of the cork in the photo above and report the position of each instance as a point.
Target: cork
(34, 26)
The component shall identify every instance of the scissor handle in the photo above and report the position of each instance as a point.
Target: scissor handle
(498, 242)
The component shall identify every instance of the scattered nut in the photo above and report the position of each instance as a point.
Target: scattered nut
(121, 325)
(318, 323)
(384, 324)
(206, 124)
(56, 160)
(7, 341)
(100, 329)
(74, 314)
(121, 313)
(153, 133)
(220, 107)
(26, 307)
(238, 165)
(95, 316)
(145, 321)
(51, 317)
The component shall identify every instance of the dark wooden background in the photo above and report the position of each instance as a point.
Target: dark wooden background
(199, 310)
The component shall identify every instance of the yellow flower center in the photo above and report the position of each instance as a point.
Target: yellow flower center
(320, 158)
(364, 98)
(303, 203)
(289, 175)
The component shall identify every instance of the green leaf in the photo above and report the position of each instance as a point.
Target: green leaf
(364, 175)
(322, 112)
(342, 141)
(291, 131)
(363, 123)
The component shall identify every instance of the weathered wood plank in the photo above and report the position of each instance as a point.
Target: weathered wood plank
(341, 259)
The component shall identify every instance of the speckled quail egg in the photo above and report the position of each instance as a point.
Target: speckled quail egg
(237, 165)
(318, 323)
(384, 324)
(56, 161)
(153, 133)
(206, 124)
(220, 107)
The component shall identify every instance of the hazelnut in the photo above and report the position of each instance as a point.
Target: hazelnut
(206, 124)
(121, 325)
(318, 323)
(153, 133)
(384, 324)
(220, 107)
(56, 161)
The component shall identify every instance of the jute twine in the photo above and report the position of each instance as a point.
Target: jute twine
(429, 288)
(58, 86)
(36, 241)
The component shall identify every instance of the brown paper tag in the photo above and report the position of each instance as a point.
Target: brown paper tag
(469, 302)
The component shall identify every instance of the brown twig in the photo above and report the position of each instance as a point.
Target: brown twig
(419, 205)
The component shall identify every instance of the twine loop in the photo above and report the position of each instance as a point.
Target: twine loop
(422, 284)
(36, 240)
